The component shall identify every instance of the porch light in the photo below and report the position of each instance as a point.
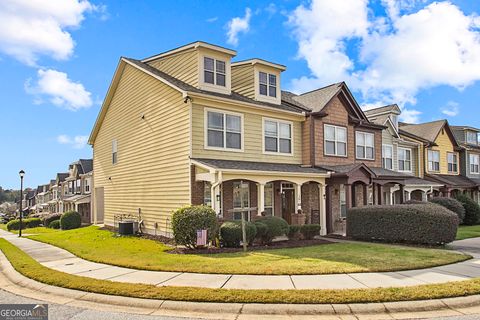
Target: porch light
(218, 197)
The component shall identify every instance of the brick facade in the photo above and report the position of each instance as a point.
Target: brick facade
(197, 188)
(310, 199)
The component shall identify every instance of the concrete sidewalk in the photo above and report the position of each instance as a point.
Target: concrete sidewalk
(62, 260)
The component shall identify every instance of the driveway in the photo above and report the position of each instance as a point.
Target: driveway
(470, 246)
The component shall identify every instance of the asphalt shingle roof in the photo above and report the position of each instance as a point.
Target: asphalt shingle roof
(389, 108)
(318, 99)
(258, 166)
(453, 180)
(428, 131)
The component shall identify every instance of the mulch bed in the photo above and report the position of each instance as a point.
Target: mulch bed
(255, 247)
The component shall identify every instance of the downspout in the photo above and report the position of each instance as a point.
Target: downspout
(214, 185)
(312, 140)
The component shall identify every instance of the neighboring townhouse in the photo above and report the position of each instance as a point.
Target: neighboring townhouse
(189, 126)
(77, 189)
(467, 137)
(402, 154)
(31, 200)
(41, 198)
(441, 157)
(338, 137)
(58, 192)
(51, 196)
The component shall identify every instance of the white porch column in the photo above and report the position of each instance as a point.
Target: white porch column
(408, 195)
(261, 198)
(424, 196)
(298, 196)
(391, 197)
(216, 201)
(323, 211)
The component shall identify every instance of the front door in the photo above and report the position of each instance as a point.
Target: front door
(241, 200)
(288, 204)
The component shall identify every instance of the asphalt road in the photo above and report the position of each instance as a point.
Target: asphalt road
(62, 312)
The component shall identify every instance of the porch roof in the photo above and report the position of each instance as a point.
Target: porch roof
(78, 198)
(233, 165)
(415, 181)
(452, 181)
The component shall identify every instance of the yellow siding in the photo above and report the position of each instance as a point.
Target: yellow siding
(444, 145)
(152, 172)
(243, 80)
(182, 65)
(253, 144)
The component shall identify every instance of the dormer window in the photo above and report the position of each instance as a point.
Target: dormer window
(472, 137)
(214, 71)
(268, 84)
(395, 121)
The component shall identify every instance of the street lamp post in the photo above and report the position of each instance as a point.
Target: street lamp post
(22, 174)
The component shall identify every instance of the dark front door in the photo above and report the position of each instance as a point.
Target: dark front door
(288, 205)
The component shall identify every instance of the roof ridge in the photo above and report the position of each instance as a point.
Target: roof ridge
(318, 89)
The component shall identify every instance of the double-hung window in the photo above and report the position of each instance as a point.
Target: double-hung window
(224, 130)
(387, 156)
(365, 145)
(433, 160)
(471, 137)
(268, 84)
(214, 71)
(452, 160)
(277, 136)
(474, 163)
(114, 152)
(335, 140)
(404, 159)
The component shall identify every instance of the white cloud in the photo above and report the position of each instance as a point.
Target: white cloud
(451, 109)
(212, 19)
(59, 90)
(77, 142)
(29, 28)
(238, 25)
(399, 54)
(410, 116)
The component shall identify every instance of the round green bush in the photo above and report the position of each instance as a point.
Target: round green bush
(55, 224)
(51, 217)
(231, 233)
(15, 224)
(275, 227)
(262, 229)
(293, 231)
(426, 223)
(70, 220)
(187, 220)
(411, 201)
(472, 210)
(452, 205)
(33, 222)
(309, 231)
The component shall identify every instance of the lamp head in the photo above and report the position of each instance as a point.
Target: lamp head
(21, 173)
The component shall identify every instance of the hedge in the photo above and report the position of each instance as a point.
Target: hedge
(309, 231)
(187, 220)
(26, 223)
(262, 229)
(231, 233)
(472, 210)
(51, 217)
(55, 224)
(452, 205)
(275, 227)
(70, 220)
(410, 223)
(293, 231)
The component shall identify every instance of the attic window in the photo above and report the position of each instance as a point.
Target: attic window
(214, 71)
(268, 84)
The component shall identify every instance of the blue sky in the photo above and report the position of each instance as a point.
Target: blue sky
(57, 59)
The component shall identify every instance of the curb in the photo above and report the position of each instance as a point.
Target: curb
(14, 282)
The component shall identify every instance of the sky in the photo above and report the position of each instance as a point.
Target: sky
(57, 58)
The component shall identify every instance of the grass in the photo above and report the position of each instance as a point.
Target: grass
(36, 230)
(94, 244)
(465, 232)
(30, 268)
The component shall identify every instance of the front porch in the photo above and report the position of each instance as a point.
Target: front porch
(233, 188)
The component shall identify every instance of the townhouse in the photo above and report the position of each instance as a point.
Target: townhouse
(76, 189)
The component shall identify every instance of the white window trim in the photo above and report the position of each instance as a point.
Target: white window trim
(457, 163)
(393, 160)
(201, 76)
(365, 146)
(278, 153)
(325, 141)
(476, 137)
(205, 130)
(428, 161)
(470, 163)
(398, 159)
(267, 98)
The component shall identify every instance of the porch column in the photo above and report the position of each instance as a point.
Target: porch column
(348, 195)
(424, 196)
(402, 194)
(408, 193)
(298, 196)
(374, 193)
(365, 195)
(216, 199)
(391, 196)
(380, 194)
(323, 211)
(261, 198)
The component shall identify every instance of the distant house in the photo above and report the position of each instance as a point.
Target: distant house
(77, 189)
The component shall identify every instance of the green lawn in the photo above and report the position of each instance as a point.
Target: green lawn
(30, 268)
(98, 245)
(36, 230)
(465, 232)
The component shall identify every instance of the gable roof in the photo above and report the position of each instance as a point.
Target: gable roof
(192, 45)
(465, 128)
(86, 165)
(185, 89)
(62, 176)
(392, 108)
(430, 130)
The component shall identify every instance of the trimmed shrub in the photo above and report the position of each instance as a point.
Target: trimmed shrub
(472, 210)
(413, 202)
(187, 220)
(452, 205)
(293, 231)
(50, 217)
(309, 231)
(262, 229)
(33, 222)
(275, 227)
(55, 224)
(70, 220)
(15, 224)
(231, 233)
(410, 223)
